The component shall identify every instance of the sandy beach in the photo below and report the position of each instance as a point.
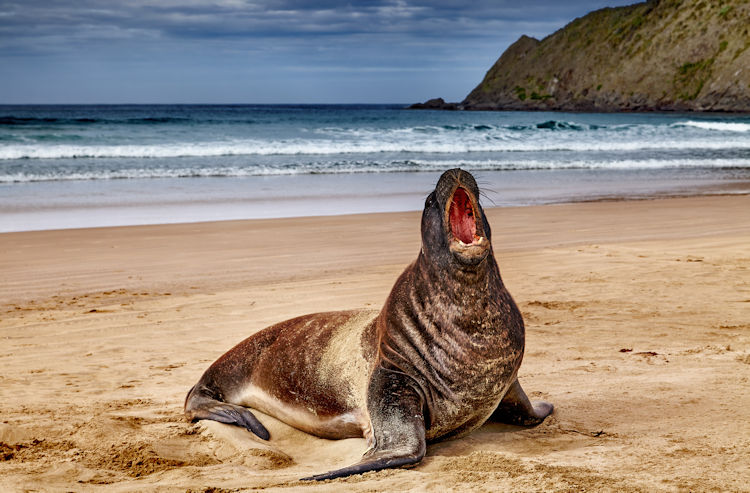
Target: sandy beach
(638, 330)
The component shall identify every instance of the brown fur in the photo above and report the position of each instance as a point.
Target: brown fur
(435, 362)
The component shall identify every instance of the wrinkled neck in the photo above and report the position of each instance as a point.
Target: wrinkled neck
(456, 278)
(452, 297)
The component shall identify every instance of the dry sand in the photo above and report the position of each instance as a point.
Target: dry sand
(638, 330)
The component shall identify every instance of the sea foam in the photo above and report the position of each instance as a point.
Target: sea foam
(357, 167)
(720, 126)
(324, 147)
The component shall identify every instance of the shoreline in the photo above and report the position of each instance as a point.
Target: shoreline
(438, 104)
(605, 199)
(636, 317)
(83, 204)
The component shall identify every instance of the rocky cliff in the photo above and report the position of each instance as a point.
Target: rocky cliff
(661, 55)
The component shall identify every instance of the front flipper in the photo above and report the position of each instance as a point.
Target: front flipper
(398, 425)
(201, 403)
(516, 409)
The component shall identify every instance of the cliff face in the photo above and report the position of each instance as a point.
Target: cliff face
(662, 55)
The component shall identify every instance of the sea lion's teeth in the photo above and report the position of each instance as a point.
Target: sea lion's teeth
(461, 243)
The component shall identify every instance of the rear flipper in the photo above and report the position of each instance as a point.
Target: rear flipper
(516, 409)
(397, 423)
(201, 403)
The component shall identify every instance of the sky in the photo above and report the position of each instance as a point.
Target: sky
(262, 51)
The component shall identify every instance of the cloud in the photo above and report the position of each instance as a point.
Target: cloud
(144, 39)
(104, 20)
(428, 29)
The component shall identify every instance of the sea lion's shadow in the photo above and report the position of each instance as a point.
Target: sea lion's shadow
(489, 435)
(305, 450)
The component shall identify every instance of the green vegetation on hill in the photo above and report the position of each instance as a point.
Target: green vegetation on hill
(661, 55)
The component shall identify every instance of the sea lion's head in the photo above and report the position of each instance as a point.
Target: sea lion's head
(454, 227)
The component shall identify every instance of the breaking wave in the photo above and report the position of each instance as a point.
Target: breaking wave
(719, 126)
(355, 167)
(353, 146)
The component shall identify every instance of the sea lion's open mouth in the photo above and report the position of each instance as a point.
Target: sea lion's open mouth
(468, 242)
(461, 214)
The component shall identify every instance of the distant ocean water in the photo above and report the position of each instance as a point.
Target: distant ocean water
(73, 166)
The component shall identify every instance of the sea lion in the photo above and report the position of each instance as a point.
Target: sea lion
(437, 361)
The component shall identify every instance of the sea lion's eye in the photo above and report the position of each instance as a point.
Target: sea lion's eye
(429, 200)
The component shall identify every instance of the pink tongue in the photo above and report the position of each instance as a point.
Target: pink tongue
(462, 217)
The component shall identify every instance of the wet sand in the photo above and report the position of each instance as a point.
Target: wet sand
(638, 330)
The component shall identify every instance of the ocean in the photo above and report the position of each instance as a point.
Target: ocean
(91, 166)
